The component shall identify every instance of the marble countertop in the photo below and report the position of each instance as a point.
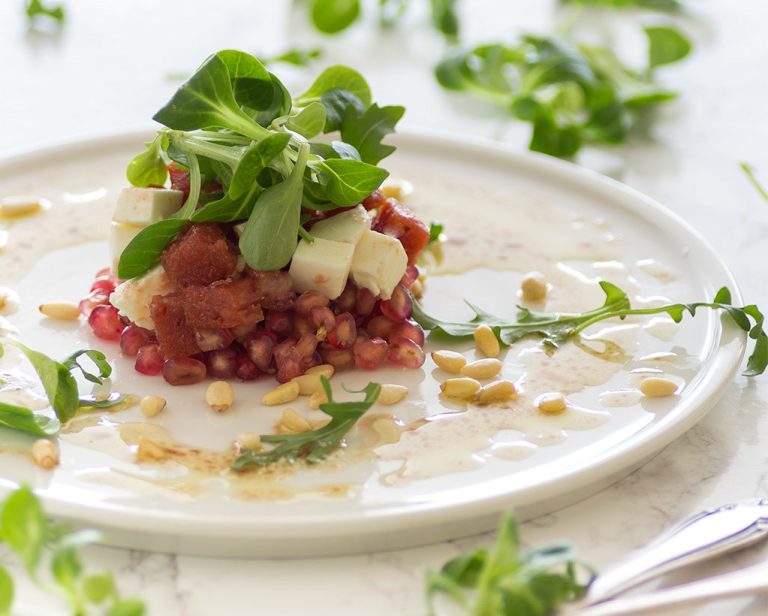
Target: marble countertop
(110, 66)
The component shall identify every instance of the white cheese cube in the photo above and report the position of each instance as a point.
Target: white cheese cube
(346, 227)
(322, 266)
(133, 297)
(143, 206)
(379, 263)
(120, 236)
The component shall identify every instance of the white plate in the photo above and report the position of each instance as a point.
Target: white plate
(477, 176)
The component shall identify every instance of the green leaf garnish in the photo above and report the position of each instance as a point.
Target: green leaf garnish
(295, 56)
(318, 444)
(750, 173)
(556, 328)
(25, 420)
(37, 8)
(666, 45)
(148, 167)
(348, 181)
(333, 16)
(366, 131)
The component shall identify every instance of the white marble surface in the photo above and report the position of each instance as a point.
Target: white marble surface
(108, 70)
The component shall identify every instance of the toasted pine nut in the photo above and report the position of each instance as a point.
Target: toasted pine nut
(387, 430)
(308, 383)
(326, 370)
(60, 311)
(534, 286)
(486, 341)
(392, 394)
(317, 398)
(249, 440)
(657, 387)
(450, 361)
(498, 391)
(219, 395)
(151, 405)
(417, 288)
(482, 368)
(551, 403)
(287, 392)
(462, 388)
(22, 205)
(45, 453)
(293, 423)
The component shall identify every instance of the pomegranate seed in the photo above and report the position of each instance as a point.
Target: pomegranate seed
(183, 371)
(289, 368)
(409, 329)
(380, 327)
(399, 307)
(309, 300)
(149, 360)
(213, 339)
(242, 332)
(259, 349)
(338, 358)
(95, 298)
(410, 276)
(308, 361)
(278, 322)
(322, 316)
(306, 345)
(222, 364)
(106, 285)
(405, 352)
(370, 354)
(364, 302)
(133, 338)
(343, 335)
(281, 350)
(246, 369)
(302, 326)
(346, 301)
(105, 322)
(103, 272)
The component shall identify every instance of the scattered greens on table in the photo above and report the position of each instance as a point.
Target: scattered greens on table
(750, 172)
(556, 328)
(296, 55)
(60, 387)
(504, 582)
(234, 122)
(318, 444)
(655, 5)
(25, 530)
(571, 94)
(37, 8)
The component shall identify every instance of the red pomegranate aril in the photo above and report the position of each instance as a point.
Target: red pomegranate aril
(380, 327)
(279, 323)
(322, 316)
(106, 285)
(243, 332)
(259, 349)
(405, 352)
(213, 339)
(409, 329)
(343, 335)
(184, 371)
(222, 364)
(338, 358)
(399, 307)
(309, 361)
(133, 338)
(149, 360)
(246, 369)
(105, 322)
(104, 272)
(289, 368)
(410, 276)
(306, 345)
(281, 350)
(307, 301)
(95, 298)
(370, 354)
(346, 301)
(302, 326)
(364, 302)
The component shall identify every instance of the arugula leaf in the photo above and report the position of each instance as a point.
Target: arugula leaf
(556, 328)
(148, 167)
(318, 444)
(25, 420)
(99, 360)
(333, 16)
(348, 182)
(666, 45)
(37, 8)
(366, 131)
(337, 101)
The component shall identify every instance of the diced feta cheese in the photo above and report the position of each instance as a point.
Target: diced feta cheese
(379, 263)
(120, 236)
(322, 265)
(346, 227)
(143, 206)
(133, 297)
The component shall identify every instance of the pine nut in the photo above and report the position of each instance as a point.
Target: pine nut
(151, 405)
(287, 392)
(551, 403)
(450, 361)
(22, 205)
(462, 388)
(317, 398)
(387, 430)
(249, 440)
(498, 391)
(657, 387)
(308, 383)
(486, 341)
(534, 286)
(219, 395)
(417, 288)
(392, 394)
(482, 368)
(326, 370)
(60, 311)
(293, 423)
(45, 454)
